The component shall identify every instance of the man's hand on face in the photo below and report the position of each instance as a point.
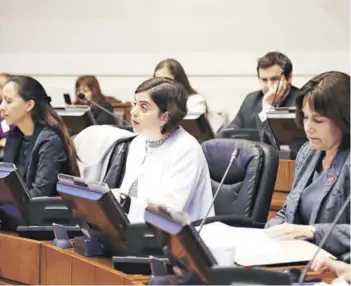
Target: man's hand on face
(281, 93)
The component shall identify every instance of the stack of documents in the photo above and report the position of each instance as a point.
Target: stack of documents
(253, 247)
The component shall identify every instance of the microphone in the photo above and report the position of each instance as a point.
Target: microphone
(232, 159)
(286, 69)
(83, 97)
(324, 239)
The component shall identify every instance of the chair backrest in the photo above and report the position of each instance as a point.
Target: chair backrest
(95, 146)
(248, 188)
(117, 164)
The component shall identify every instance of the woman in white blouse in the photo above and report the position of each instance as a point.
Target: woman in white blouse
(196, 103)
(171, 68)
(165, 164)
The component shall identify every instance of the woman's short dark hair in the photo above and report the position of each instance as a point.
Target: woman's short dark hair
(328, 94)
(169, 96)
(179, 75)
(43, 114)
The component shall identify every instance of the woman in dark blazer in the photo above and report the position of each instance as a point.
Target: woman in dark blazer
(322, 174)
(38, 144)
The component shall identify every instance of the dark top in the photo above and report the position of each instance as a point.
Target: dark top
(102, 117)
(39, 158)
(310, 195)
(24, 154)
(252, 106)
(247, 116)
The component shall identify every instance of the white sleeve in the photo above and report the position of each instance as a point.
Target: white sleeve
(178, 185)
(263, 114)
(180, 180)
(196, 104)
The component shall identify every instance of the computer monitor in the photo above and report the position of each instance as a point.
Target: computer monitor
(181, 242)
(243, 133)
(186, 250)
(284, 129)
(198, 126)
(14, 197)
(76, 118)
(95, 205)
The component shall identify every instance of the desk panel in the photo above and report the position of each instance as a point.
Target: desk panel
(19, 258)
(25, 261)
(74, 269)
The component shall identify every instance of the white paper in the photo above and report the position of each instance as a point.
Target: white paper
(245, 241)
(253, 247)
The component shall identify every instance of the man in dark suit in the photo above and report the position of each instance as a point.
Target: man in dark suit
(252, 113)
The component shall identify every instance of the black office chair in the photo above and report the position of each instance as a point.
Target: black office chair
(245, 197)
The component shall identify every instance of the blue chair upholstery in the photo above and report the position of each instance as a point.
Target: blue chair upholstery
(245, 196)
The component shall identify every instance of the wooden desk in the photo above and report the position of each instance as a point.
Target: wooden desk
(65, 266)
(25, 261)
(19, 259)
(283, 184)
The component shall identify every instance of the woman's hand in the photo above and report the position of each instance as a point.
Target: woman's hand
(340, 269)
(288, 231)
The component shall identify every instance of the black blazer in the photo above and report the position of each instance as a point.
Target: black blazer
(327, 205)
(247, 116)
(102, 117)
(48, 158)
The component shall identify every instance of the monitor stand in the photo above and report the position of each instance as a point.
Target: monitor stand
(87, 245)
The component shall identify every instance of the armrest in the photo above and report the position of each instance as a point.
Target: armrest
(232, 220)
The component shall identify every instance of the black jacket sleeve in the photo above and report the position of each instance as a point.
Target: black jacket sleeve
(239, 120)
(51, 157)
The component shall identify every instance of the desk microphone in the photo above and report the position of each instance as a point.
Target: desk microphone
(232, 159)
(286, 70)
(83, 97)
(324, 239)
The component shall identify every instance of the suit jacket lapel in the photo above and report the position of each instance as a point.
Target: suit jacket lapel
(331, 177)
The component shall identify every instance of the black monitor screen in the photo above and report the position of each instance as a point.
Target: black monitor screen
(198, 126)
(76, 118)
(14, 196)
(243, 133)
(95, 204)
(180, 241)
(283, 127)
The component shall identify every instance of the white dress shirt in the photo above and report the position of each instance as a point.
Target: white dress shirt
(174, 174)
